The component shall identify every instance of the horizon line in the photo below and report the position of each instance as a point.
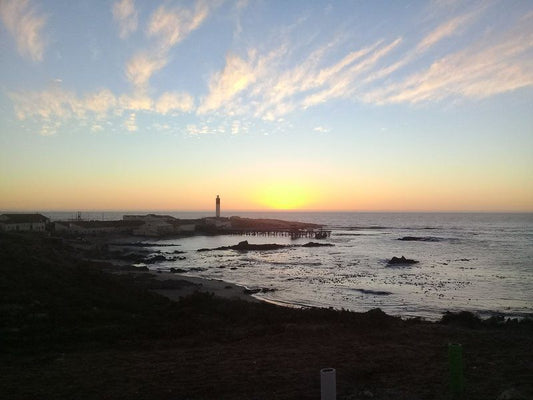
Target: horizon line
(152, 211)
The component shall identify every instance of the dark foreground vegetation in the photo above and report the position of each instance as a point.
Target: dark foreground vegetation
(69, 329)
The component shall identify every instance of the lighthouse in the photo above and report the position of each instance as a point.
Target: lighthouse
(218, 206)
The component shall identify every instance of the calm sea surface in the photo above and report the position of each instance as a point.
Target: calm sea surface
(467, 261)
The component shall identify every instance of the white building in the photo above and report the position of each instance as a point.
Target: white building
(23, 222)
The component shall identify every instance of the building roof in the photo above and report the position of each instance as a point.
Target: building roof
(22, 218)
(102, 224)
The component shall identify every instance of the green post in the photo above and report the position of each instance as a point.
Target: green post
(457, 382)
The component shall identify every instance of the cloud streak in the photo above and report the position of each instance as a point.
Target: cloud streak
(269, 83)
(489, 67)
(56, 106)
(25, 24)
(171, 25)
(126, 15)
(167, 26)
(263, 86)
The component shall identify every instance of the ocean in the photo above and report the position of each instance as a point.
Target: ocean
(478, 262)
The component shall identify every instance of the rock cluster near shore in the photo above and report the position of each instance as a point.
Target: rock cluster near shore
(245, 246)
(401, 261)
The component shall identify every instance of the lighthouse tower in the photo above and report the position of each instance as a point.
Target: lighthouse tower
(218, 206)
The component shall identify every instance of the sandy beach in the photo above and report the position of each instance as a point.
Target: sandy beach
(188, 285)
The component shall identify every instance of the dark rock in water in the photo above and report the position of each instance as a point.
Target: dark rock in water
(420, 239)
(374, 292)
(154, 259)
(245, 246)
(196, 269)
(177, 270)
(401, 261)
(315, 244)
(251, 291)
(258, 290)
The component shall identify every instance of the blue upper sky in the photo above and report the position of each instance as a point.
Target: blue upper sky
(353, 105)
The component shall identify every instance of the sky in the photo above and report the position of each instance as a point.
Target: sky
(304, 105)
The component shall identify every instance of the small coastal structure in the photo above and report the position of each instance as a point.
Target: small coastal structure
(23, 222)
(160, 225)
(217, 202)
(152, 224)
(95, 227)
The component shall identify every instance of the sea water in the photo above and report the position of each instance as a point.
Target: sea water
(479, 262)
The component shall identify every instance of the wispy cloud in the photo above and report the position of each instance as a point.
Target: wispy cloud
(126, 15)
(168, 26)
(100, 103)
(493, 65)
(449, 28)
(269, 82)
(55, 106)
(171, 25)
(142, 66)
(321, 129)
(452, 27)
(264, 87)
(130, 123)
(345, 84)
(170, 102)
(498, 62)
(237, 75)
(25, 24)
(136, 102)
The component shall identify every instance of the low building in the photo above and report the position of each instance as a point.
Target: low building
(23, 222)
(161, 225)
(96, 227)
(154, 228)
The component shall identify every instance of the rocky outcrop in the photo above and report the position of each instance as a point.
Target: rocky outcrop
(315, 244)
(420, 239)
(401, 261)
(245, 246)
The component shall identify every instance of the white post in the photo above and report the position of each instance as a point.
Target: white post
(328, 384)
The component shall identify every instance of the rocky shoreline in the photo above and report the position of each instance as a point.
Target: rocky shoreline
(72, 326)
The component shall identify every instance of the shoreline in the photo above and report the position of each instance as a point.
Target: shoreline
(130, 244)
(70, 326)
(217, 287)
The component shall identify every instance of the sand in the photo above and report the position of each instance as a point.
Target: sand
(218, 288)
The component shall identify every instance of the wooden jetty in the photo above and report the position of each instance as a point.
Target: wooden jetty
(292, 233)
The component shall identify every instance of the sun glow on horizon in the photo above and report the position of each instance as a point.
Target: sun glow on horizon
(284, 196)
